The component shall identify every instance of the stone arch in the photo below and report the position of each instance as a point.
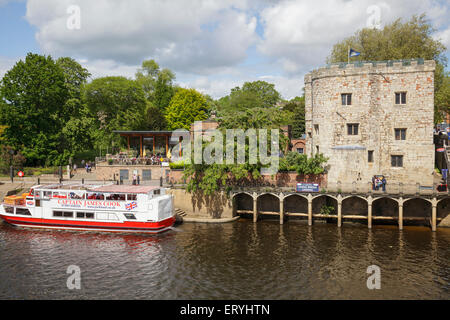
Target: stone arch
(324, 200)
(385, 207)
(243, 201)
(268, 202)
(355, 205)
(417, 208)
(238, 193)
(295, 203)
(443, 208)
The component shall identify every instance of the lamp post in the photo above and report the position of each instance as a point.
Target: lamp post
(11, 169)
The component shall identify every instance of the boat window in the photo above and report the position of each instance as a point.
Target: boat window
(57, 213)
(157, 191)
(115, 196)
(102, 216)
(96, 196)
(131, 197)
(76, 195)
(80, 215)
(38, 203)
(9, 209)
(89, 215)
(68, 214)
(130, 216)
(60, 195)
(112, 216)
(47, 194)
(24, 212)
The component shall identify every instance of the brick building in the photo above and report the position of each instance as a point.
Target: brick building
(373, 119)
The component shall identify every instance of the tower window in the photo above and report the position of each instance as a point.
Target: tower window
(352, 129)
(400, 98)
(346, 99)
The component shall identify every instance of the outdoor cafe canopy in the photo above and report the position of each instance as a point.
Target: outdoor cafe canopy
(148, 142)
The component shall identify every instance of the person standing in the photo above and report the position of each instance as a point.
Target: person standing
(383, 182)
(134, 179)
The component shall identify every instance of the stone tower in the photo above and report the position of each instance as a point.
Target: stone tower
(373, 119)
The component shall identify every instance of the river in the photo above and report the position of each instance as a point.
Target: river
(239, 260)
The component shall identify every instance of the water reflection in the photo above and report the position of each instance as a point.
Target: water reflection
(242, 260)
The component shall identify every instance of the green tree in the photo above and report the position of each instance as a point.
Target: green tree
(157, 83)
(257, 94)
(154, 118)
(295, 110)
(33, 94)
(78, 122)
(399, 40)
(117, 103)
(186, 107)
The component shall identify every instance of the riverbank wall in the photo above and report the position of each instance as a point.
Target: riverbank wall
(200, 207)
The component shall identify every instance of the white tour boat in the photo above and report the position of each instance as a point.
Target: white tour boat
(110, 208)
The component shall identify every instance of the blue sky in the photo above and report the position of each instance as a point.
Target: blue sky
(212, 46)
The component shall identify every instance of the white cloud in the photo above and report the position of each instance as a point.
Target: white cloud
(195, 36)
(299, 34)
(444, 37)
(6, 64)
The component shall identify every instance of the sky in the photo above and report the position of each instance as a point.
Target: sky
(211, 45)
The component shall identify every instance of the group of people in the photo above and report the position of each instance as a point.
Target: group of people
(379, 182)
(87, 166)
(136, 180)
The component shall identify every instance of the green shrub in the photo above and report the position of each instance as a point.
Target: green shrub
(327, 210)
(177, 165)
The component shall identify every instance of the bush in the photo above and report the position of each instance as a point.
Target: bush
(327, 210)
(294, 161)
(177, 165)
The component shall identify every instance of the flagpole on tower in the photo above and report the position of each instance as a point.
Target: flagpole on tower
(348, 54)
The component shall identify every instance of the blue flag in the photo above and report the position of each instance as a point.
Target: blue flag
(354, 53)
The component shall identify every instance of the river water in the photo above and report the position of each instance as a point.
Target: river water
(239, 260)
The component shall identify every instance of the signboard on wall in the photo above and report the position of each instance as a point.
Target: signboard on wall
(307, 187)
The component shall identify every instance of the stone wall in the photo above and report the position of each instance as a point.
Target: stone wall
(373, 107)
(112, 172)
(199, 205)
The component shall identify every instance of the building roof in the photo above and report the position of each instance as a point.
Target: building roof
(124, 189)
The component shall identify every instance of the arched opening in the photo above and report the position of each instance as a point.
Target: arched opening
(324, 207)
(385, 207)
(354, 208)
(296, 207)
(443, 209)
(268, 204)
(295, 204)
(416, 211)
(243, 203)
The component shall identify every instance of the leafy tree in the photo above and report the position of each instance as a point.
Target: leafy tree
(33, 92)
(398, 40)
(295, 110)
(186, 107)
(294, 161)
(77, 121)
(257, 94)
(154, 118)
(156, 83)
(117, 103)
(8, 157)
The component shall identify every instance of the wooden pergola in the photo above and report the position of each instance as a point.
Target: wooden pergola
(146, 134)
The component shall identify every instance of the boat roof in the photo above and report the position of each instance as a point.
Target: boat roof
(124, 189)
(111, 188)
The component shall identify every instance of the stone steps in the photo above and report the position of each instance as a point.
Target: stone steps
(180, 212)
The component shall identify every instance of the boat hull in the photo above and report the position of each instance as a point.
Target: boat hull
(95, 226)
